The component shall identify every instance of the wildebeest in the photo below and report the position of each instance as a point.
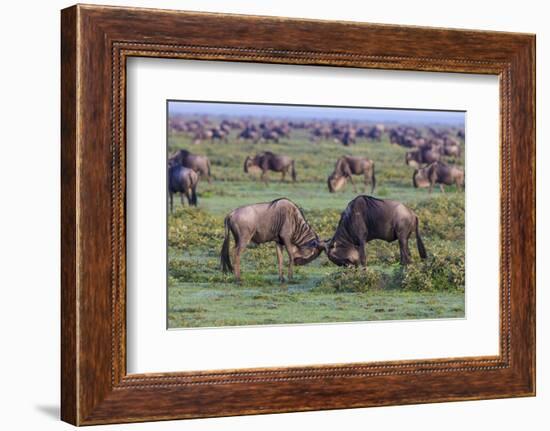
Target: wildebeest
(346, 167)
(279, 221)
(184, 181)
(346, 138)
(200, 164)
(438, 173)
(267, 161)
(367, 218)
(422, 156)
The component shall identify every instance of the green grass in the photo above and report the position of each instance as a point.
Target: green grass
(199, 295)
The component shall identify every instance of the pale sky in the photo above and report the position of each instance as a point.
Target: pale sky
(413, 116)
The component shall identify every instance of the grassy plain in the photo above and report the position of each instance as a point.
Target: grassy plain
(199, 295)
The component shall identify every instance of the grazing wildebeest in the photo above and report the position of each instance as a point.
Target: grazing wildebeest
(279, 221)
(367, 218)
(267, 161)
(200, 164)
(346, 167)
(422, 156)
(346, 138)
(184, 181)
(438, 173)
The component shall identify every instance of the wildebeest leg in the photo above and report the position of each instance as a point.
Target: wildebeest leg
(182, 200)
(431, 187)
(242, 238)
(189, 197)
(264, 176)
(171, 202)
(362, 254)
(279, 249)
(288, 247)
(239, 249)
(367, 180)
(441, 188)
(404, 251)
(352, 183)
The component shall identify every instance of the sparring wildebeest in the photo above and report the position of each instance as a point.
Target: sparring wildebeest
(279, 221)
(438, 173)
(367, 218)
(346, 167)
(267, 161)
(200, 164)
(184, 181)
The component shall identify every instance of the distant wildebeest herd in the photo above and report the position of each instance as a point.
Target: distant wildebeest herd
(281, 221)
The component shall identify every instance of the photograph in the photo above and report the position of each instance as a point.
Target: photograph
(297, 214)
(271, 215)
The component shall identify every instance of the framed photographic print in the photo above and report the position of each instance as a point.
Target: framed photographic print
(316, 215)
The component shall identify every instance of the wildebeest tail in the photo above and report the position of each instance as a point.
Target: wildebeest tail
(225, 259)
(293, 171)
(415, 184)
(419, 243)
(330, 189)
(193, 201)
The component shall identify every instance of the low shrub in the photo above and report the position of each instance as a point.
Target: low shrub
(351, 280)
(441, 271)
(442, 216)
(194, 227)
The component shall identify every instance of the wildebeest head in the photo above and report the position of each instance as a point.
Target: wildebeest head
(421, 178)
(336, 182)
(248, 162)
(411, 159)
(342, 253)
(309, 251)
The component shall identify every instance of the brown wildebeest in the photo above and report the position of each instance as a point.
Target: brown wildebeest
(346, 167)
(267, 161)
(367, 218)
(184, 181)
(438, 173)
(200, 164)
(279, 221)
(422, 156)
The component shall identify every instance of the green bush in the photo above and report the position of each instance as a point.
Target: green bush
(351, 280)
(442, 216)
(441, 271)
(194, 227)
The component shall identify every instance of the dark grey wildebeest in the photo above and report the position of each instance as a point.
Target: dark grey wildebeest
(267, 161)
(279, 221)
(346, 167)
(200, 164)
(184, 181)
(438, 173)
(422, 156)
(367, 218)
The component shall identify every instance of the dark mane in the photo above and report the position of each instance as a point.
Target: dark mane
(273, 202)
(299, 220)
(343, 223)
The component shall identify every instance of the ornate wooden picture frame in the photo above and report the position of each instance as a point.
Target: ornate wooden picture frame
(96, 42)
